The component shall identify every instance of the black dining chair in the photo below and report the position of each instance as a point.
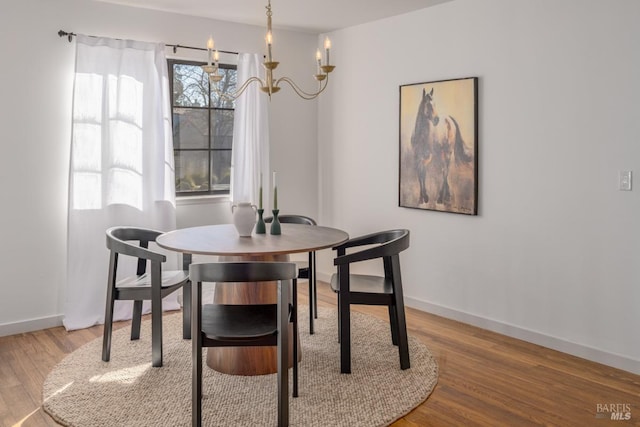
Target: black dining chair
(306, 269)
(153, 286)
(223, 325)
(371, 290)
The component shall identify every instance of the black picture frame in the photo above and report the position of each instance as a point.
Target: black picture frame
(438, 145)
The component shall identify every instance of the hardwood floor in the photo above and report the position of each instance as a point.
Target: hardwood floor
(486, 379)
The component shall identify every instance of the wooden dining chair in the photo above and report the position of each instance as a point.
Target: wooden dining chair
(223, 325)
(142, 286)
(371, 290)
(306, 269)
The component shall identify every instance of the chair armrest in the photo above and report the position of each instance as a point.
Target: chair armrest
(368, 239)
(364, 255)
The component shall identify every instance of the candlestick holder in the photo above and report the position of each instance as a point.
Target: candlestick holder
(275, 224)
(261, 228)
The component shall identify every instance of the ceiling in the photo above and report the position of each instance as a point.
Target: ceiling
(300, 15)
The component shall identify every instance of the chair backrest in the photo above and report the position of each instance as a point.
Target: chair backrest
(292, 219)
(389, 243)
(118, 241)
(116, 235)
(242, 271)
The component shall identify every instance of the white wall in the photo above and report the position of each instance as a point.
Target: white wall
(552, 256)
(37, 78)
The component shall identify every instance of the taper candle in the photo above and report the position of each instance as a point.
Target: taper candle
(260, 194)
(275, 191)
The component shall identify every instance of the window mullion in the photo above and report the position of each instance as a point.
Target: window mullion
(186, 81)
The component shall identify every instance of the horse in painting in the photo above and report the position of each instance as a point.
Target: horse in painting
(435, 141)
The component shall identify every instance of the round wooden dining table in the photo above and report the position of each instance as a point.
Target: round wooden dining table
(224, 241)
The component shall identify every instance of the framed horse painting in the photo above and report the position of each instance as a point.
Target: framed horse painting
(439, 146)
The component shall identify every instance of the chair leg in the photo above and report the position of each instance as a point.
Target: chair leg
(403, 342)
(186, 311)
(186, 300)
(108, 328)
(136, 320)
(393, 321)
(156, 315)
(339, 324)
(315, 287)
(344, 320)
(283, 353)
(401, 323)
(345, 336)
(311, 297)
(108, 312)
(294, 319)
(196, 346)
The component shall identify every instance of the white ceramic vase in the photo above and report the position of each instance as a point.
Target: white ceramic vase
(244, 218)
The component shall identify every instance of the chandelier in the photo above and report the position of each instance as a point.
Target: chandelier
(270, 84)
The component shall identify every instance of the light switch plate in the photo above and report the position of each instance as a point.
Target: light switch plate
(625, 181)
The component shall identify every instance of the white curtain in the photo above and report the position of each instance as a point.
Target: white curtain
(250, 154)
(121, 169)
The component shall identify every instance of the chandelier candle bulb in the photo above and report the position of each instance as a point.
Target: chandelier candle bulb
(319, 59)
(216, 57)
(327, 48)
(210, 45)
(269, 43)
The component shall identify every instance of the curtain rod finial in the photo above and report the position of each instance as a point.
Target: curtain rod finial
(62, 33)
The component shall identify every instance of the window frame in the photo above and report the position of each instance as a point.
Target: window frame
(211, 150)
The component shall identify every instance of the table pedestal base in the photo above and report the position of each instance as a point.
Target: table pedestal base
(248, 360)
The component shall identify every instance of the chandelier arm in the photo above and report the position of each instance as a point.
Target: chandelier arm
(237, 93)
(269, 85)
(301, 93)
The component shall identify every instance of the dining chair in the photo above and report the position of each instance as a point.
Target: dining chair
(306, 269)
(153, 286)
(225, 325)
(371, 290)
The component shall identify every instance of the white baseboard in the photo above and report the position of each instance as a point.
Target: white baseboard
(323, 277)
(30, 325)
(595, 355)
(579, 350)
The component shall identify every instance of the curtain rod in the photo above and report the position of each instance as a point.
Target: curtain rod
(175, 47)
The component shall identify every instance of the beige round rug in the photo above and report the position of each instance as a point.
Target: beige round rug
(83, 391)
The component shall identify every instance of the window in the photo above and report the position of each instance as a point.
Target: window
(202, 128)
